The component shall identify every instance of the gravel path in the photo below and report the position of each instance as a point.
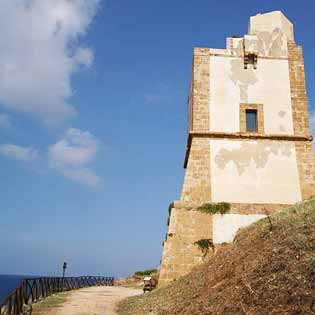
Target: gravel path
(96, 300)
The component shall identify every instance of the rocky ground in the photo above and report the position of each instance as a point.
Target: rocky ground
(268, 270)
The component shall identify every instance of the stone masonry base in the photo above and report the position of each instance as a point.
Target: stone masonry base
(186, 226)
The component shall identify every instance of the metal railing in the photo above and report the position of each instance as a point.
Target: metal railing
(32, 290)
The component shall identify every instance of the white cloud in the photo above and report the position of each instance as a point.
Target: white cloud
(40, 51)
(75, 149)
(71, 154)
(84, 56)
(5, 121)
(83, 175)
(19, 153)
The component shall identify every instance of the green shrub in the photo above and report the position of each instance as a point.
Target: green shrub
(204, 245)
(214, 208)
(143, 273)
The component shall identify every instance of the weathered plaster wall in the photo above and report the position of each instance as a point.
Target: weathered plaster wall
(254, 172)
(269, 22)
(231, 84)
(226, 226)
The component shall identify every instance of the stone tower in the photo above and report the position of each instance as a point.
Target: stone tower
(249, 141)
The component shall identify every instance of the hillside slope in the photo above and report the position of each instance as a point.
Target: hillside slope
(262, 273)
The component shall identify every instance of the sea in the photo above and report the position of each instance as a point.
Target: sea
(8, 283)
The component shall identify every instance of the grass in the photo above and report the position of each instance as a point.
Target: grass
(50, 305)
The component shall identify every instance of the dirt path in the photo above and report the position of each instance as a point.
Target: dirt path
(96, 300)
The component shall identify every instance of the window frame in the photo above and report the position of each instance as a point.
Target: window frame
(259, 117)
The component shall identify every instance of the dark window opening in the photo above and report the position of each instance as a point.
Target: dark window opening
(250, 59)
(251, 120)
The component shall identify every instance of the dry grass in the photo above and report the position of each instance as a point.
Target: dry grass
(264, 272)
(50, 305)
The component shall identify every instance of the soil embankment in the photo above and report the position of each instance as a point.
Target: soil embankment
(268, 270)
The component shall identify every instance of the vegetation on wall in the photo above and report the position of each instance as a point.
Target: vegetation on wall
(205, 245)
(147, 272)
(215, 208)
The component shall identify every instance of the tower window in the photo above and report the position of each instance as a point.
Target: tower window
(251, 120)
(250, 59)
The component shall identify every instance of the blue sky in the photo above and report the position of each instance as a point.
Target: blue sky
(93, 123)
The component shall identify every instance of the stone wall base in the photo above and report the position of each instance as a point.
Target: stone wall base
(186, 226)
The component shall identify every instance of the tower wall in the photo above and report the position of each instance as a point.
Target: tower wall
(254, 171)
(257, 172)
